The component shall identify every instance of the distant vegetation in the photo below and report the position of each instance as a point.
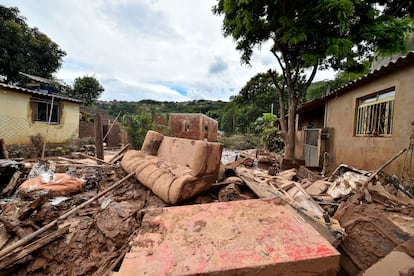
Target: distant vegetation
(213, 109)
(246, 117)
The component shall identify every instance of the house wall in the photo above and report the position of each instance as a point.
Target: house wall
(370, 153)
(192, 126)
(86, 129)
(212, 131)
(16, 125)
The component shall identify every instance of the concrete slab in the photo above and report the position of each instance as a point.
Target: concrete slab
(250, 237)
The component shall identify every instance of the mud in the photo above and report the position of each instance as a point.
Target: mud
(98, 235)
(370, 235)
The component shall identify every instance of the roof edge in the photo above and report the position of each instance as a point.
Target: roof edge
(402, 61)
(58, 96)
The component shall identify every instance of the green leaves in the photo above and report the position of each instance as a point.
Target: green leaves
(86, 88)
(340, 11)
(339, 47)
(290, 31)
(137, 125)
(25, 49)
(336, 33)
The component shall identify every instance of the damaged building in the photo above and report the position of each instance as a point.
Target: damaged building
(361, 124)
(190, 125)
(25, 113)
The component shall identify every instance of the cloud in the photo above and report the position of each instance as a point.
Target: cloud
(146, 49)
(218, 66)
(135, 91)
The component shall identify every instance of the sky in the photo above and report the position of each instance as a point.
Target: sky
(164, 50)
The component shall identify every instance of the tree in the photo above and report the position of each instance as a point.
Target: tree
(86, 88)
(137, 125)
(309, 34)
(25, 49)
(259, 91)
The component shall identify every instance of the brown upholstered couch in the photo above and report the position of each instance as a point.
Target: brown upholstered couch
(175, 169)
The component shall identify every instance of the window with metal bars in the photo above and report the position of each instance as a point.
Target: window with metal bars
(41, 109)
(375, 114)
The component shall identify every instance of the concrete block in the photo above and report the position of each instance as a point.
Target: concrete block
(249, 237)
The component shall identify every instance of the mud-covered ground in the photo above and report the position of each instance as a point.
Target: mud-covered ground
(99, 235)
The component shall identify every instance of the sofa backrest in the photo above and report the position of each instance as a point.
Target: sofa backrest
(201, 157)
(184, 152)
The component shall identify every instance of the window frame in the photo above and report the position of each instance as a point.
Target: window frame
(36, 117)
(373, 109)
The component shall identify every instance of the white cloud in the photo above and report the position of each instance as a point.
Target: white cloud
(145, 49)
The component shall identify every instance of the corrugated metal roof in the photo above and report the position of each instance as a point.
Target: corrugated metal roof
(40, 79)
(34, 92)
(384, 70)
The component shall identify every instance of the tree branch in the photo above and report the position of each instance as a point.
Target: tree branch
(312, 76)
(296, 74)
(287, 71)
(280, 64)
(281, 97)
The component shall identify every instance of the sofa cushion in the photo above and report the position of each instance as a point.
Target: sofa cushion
(185, 152)
(152, 142)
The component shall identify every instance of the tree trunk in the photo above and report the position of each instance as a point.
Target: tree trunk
(290, 138)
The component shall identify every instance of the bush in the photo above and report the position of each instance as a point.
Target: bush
(269, 133)
(137, 126)
(240, 141)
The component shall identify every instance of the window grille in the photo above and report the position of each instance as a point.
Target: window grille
(375, 114)
(41, 109)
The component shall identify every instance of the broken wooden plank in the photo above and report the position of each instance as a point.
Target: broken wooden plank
(81, 165)
(14, 257)
(30, 237)
(71, 160)
(112, 125)
(119, 153)
(287, 174)
(282, 183)
(94, 158)
(12, 184)
(34, 205)
(371, 177)
(262, 189)
(99, 150)
(119, 157)
(330, 230)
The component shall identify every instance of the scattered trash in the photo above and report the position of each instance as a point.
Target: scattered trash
(52, 184)
(82, 215)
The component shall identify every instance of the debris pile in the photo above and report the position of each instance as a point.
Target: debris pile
(80, 215)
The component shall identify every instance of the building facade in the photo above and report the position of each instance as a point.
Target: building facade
(364, 123)
(27, 113)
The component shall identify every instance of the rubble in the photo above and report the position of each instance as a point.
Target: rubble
(95, 229)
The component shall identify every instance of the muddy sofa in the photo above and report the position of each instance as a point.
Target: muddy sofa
(174, 169)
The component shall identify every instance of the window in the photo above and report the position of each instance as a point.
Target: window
(41, 109)
(375, 114)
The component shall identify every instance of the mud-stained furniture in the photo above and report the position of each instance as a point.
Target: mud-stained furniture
(174, 169)
(259, 237)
